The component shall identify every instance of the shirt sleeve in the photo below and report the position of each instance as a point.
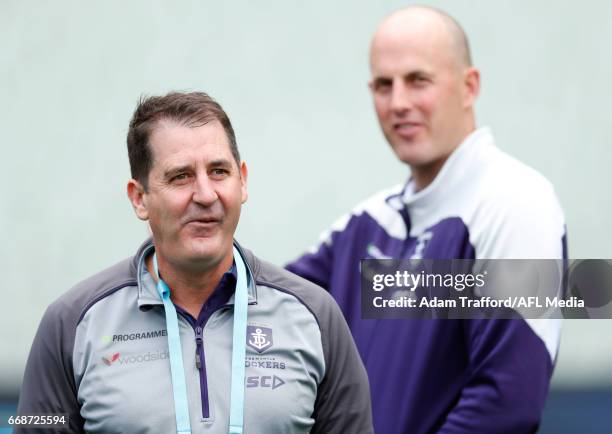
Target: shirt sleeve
(343, 399)
(507, 383)
(511, 361)
(48, 383)
(314, 265)
(317, 263)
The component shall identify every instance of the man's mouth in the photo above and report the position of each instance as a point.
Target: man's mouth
(407, 129)
(205, 221)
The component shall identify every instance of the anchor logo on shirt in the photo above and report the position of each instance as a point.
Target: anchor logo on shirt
(259, 338)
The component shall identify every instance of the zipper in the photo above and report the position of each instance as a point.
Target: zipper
(201, 366)
(200, 359)
(199, 348)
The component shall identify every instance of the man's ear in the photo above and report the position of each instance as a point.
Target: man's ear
(243, 181)
(371, 85)
(137, 195)
(472, 86)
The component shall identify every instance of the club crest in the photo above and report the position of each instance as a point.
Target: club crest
(259, 338)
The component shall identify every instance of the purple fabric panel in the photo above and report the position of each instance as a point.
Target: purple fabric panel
(315, 266)
(338, 271)
(416, 370)
(457, 376)
(451, 240)
(506, 389)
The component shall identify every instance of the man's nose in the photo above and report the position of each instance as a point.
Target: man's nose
(204, 191)
(400, 97)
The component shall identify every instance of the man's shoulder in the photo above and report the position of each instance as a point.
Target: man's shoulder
(515, 211)
(482, 171)
(509, 184)
(315, 298)
(74, 303)
(512, 175)
(377, 207)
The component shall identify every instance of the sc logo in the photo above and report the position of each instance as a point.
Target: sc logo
(272, 382)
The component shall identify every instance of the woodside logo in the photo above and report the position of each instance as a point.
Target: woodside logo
(150, 356)
(111, 359)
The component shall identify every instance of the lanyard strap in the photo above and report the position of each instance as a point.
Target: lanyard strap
(179, 388)
(238, 348)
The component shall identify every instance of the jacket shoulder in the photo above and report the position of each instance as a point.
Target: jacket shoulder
(310, 294)
(73, 304)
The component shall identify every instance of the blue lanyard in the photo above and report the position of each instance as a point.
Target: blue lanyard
(241, 303)
(179, 388)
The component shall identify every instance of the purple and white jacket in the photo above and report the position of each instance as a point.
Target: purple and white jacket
(450, 376)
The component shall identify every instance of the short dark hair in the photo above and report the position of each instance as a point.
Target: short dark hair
(192, 109)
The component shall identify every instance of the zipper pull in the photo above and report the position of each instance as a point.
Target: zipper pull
(199, 339)
(198, 361)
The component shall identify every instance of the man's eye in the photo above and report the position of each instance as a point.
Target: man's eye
(382, 86)
(219, 172)
(180, 177)
(420, 80)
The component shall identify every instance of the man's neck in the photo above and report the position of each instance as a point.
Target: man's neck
(424, 175)
(190, 288)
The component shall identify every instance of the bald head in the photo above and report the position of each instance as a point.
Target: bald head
(424, 87)
(426, 24)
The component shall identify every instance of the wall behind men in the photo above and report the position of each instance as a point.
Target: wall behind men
(292, 76)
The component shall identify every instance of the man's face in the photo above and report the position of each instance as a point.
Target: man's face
(420, 95)
(195, 192)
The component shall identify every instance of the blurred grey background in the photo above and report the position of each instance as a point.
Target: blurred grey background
(292, 76)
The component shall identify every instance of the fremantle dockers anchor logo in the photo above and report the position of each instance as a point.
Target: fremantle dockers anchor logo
(259, 338)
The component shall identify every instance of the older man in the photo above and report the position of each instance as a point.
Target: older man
(194, 333)
(464, 199)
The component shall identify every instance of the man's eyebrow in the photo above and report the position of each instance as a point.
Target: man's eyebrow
(168, 173)
(220, 162)
(417, 73)
(410, 75)
(381, 79)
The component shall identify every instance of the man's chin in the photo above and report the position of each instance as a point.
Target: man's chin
(206, 250)
(199, 229)
(413, 154)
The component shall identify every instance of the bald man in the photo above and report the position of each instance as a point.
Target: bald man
(464, 198)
